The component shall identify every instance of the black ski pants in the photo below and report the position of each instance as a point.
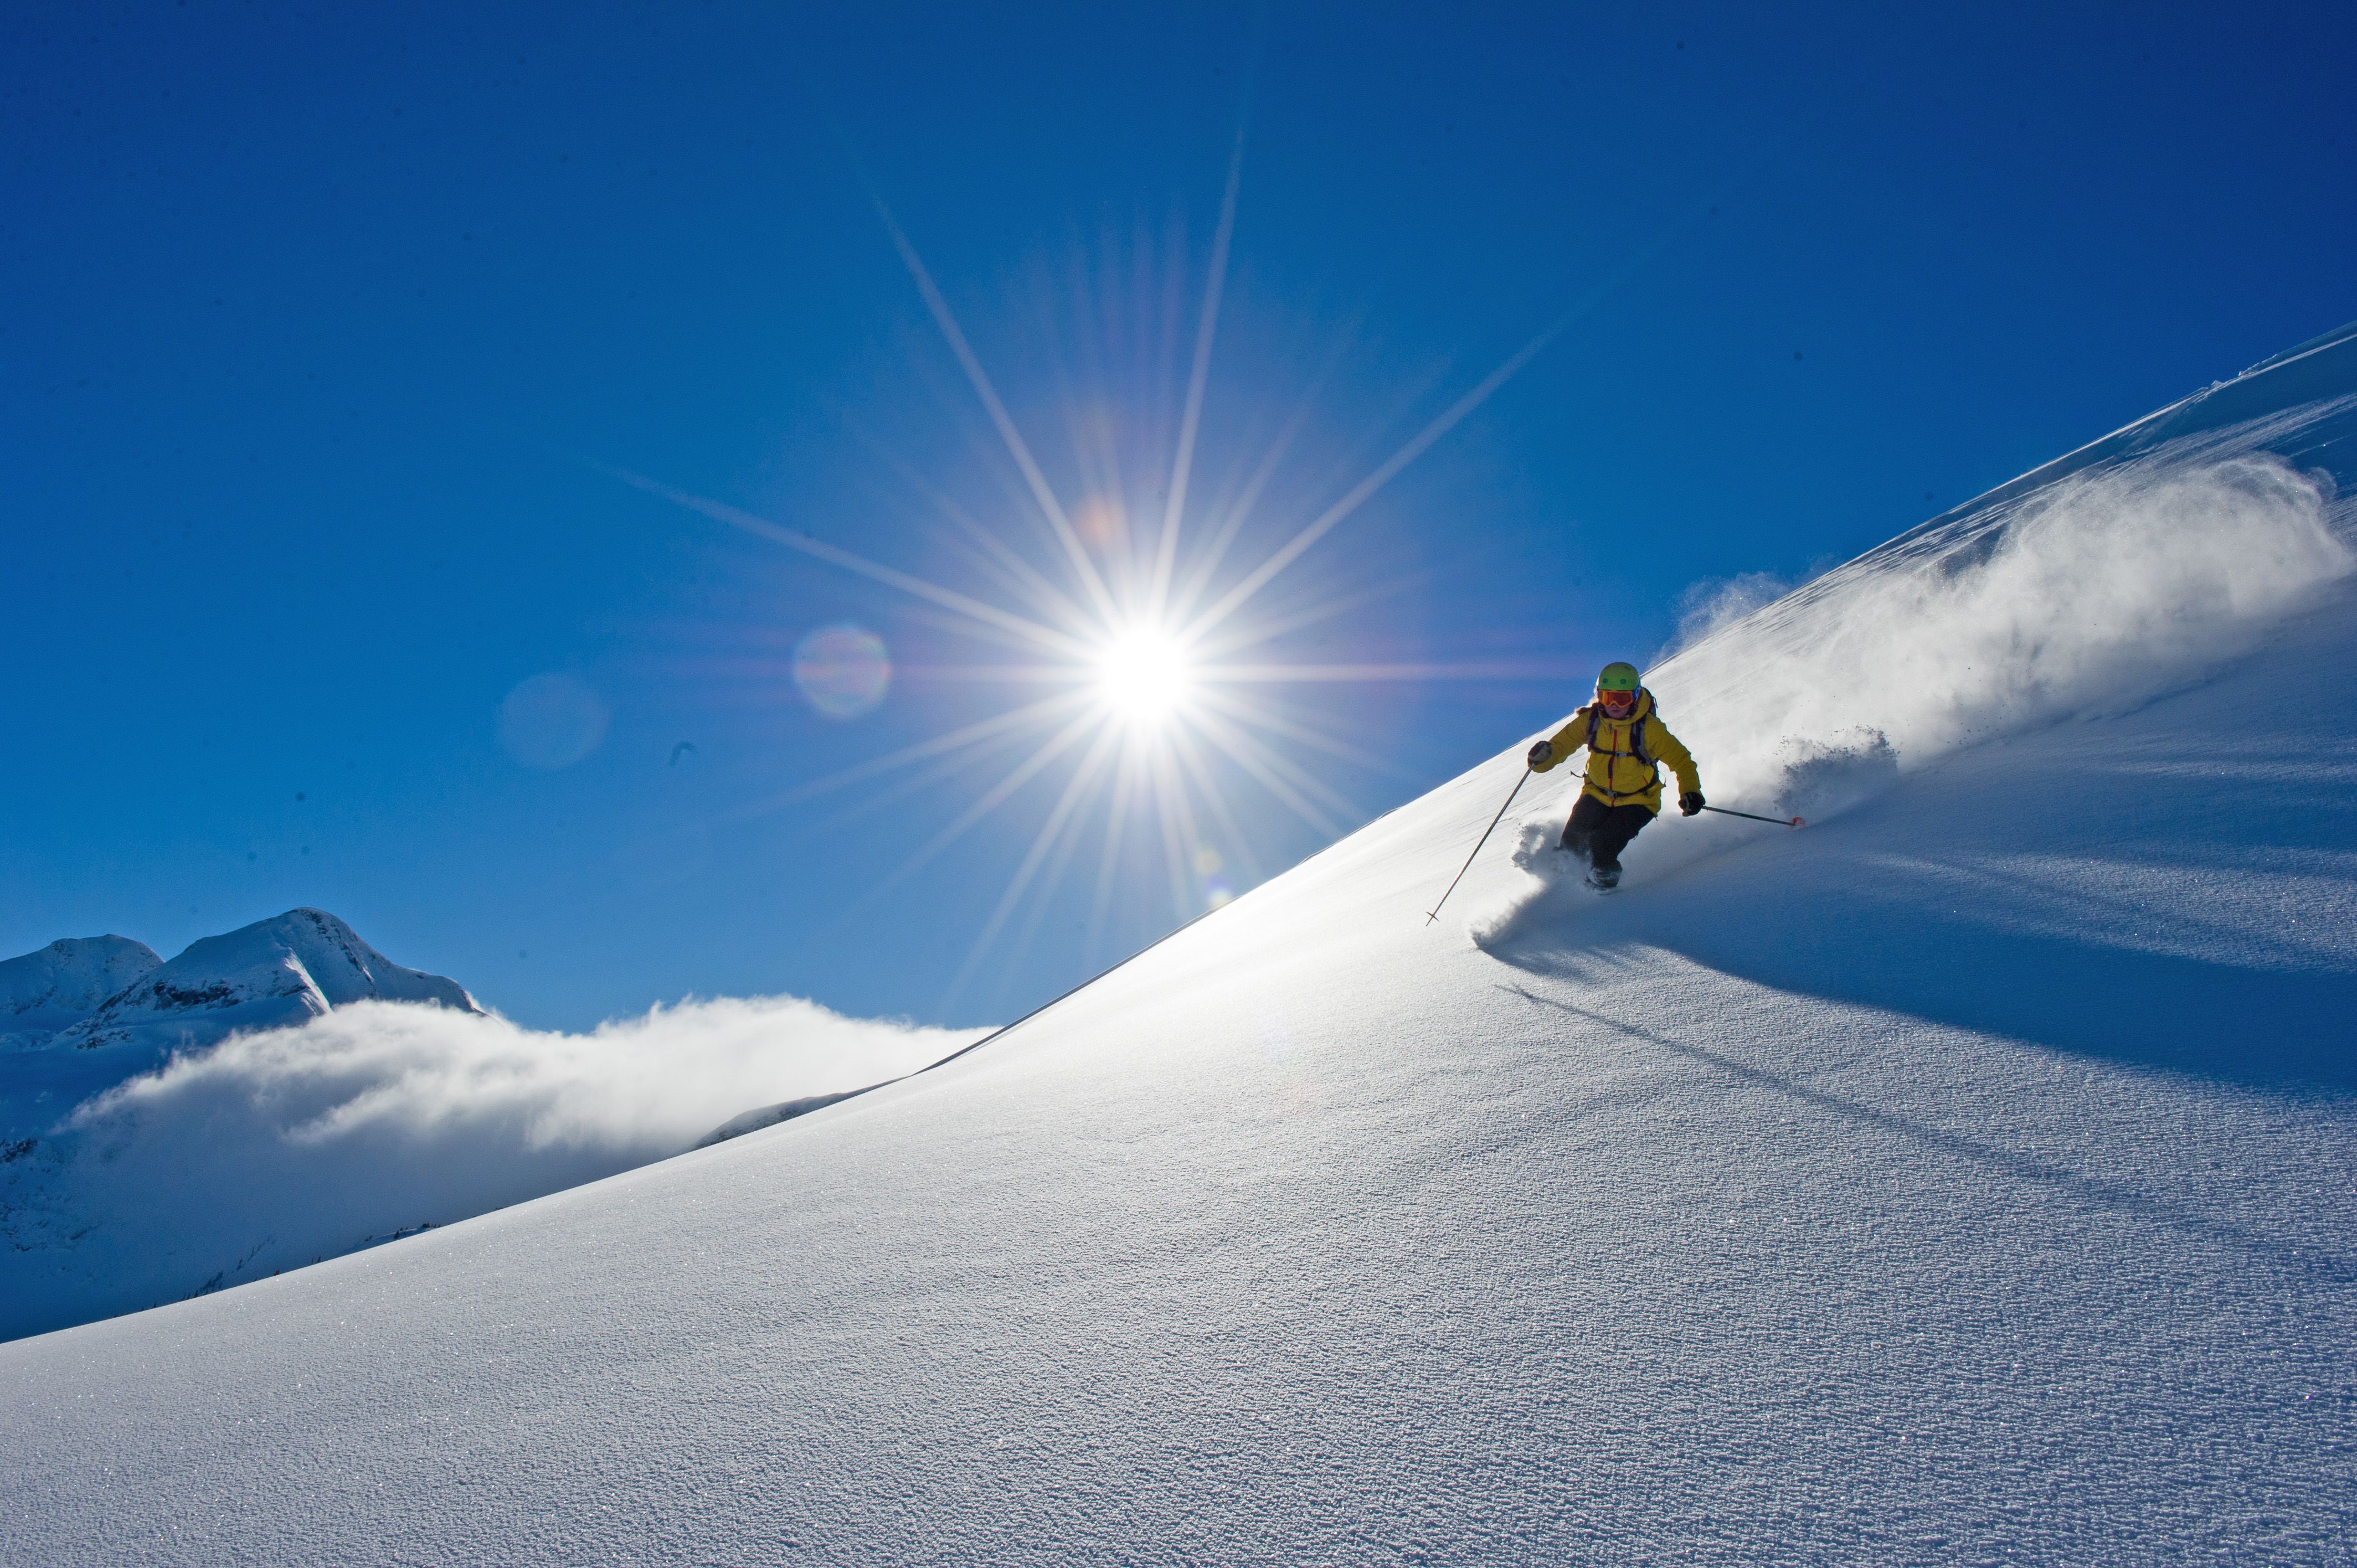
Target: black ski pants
(1600, 831)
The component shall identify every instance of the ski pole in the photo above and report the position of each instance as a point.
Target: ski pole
(1434, 913)
(1778, 821)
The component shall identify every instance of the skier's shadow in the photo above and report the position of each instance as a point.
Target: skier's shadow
(2111, 957)
(2307, 1263)
(2264, 1027)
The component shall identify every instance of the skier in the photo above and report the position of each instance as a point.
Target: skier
(1626, 743)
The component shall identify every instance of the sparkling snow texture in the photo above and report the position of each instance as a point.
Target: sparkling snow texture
(1966, 1178)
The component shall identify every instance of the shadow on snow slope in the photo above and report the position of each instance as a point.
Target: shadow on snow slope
(2175, 887)
(2299, 1265)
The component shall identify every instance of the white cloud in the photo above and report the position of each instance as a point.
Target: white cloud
(278, 1147)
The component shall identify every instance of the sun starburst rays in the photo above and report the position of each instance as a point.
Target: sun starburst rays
(1135, 631)
(1191, 421)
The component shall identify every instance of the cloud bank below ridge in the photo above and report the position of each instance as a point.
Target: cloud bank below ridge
(279, 1148)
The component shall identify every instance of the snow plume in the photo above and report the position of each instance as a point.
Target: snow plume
(2082, 599)
(2087, 598)
(1822, 777)
(1551, 886)
(278, 1147)
(1715, 602)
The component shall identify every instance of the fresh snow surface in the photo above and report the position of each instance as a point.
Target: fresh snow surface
(1965, 1178)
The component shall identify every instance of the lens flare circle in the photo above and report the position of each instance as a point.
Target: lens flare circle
(842, 670)
(552, 721)
(1144, 674)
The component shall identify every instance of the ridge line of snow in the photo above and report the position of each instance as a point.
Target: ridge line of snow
(2055, 469)
(721, 1134)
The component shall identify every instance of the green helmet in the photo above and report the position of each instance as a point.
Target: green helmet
(1619, 677)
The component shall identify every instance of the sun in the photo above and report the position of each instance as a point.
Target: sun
(1144, 674)
(1148, 685)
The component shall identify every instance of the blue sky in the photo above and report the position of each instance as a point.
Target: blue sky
(327, 341)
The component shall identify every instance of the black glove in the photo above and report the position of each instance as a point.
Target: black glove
(1690, 803)
(1542, 753)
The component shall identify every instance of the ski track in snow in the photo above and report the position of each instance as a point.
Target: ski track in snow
(1966, 1178)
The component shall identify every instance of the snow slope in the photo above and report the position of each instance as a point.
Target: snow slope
(1966, 1178)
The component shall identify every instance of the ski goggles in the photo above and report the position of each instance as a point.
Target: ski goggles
(1616, 700)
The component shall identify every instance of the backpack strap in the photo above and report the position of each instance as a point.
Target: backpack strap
(1637, 747)
(1637, 736)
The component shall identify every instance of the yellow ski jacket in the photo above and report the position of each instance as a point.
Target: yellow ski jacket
(1622, 755)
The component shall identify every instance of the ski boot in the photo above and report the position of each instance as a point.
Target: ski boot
(1604, 878)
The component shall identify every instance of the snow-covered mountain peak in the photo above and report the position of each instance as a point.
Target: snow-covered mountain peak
(45, 990)
(298, 965)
